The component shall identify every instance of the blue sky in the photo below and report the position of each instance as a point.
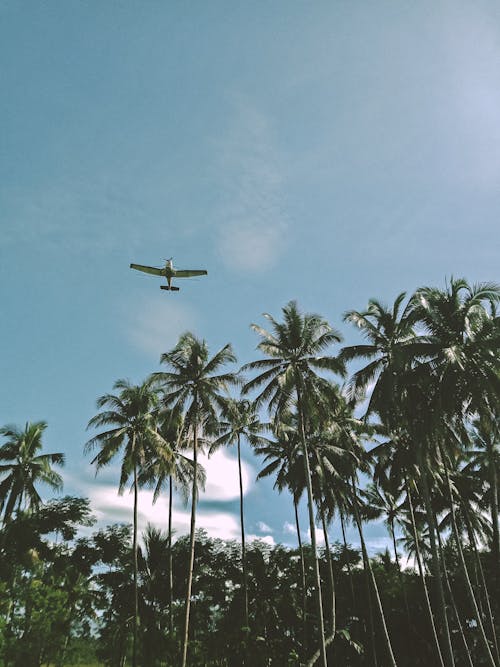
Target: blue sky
(327, 152)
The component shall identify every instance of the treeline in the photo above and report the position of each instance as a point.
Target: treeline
(72, 600)
(411, 436)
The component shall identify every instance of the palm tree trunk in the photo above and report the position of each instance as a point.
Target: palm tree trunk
(243, 548)
(491, 619)
(422, 572)
(468, 584)
(136, 594)
(303, 575)
(191, 547)
(342, 524)
(401, 581)
(435, 566)
(170, 563)
(495, 543)
(392, 659)
(452, 600)
(310, 507)
(330, 574)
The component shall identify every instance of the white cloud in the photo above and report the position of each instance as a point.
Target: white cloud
(320, 538)
(110, 507)
(222, 476)
(289, 528)
(253, 226)
(154, 324)
(263, 527)
(222, 486)
(267, 539)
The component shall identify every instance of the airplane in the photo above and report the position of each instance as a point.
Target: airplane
(169, 272)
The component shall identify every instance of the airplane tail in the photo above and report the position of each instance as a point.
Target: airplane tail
(169, 289)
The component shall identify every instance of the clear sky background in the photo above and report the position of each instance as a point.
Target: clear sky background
(326, 152)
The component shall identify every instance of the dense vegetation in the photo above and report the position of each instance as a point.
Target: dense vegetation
(402, 427)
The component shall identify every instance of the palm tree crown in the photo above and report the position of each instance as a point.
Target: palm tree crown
(23, 467)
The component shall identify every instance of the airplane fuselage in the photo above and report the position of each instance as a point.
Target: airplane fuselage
(169, 274)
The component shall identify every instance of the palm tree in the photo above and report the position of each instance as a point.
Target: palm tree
(283, 458)
(132, 414)
(459, 377)
(294, 352)
(177, 471)
(240, 419)
(23, 468)
(391, 346)
(392, 350)
(340, 457)
(192, 385)
(394, 465)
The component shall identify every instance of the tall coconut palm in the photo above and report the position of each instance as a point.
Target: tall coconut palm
(22, 468)
(392, 350)
(459, 376)
(132, 414)
(294, 353)
(239, 419)
(282, 457)
(175, 471)
(194, 386)
(391, 345)
(340, 456)
(460, 345)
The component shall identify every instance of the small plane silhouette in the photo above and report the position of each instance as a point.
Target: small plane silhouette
(169, 272)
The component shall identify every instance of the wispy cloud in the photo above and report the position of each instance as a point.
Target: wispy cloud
(253, 223)
(289, 528)
(108, 506)
(154, 324)
(263, 527)
(267, 539)
(222, 486)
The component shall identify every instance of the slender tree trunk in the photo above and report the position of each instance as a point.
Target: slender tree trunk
(495, 543)
(170, 561)
(468, 584)
(451, 597)
(303, 575)
(421, 572)
(400, 574)
(411, 633)
(191, 545)
(243, 547)
(342, 524)
(310, 507)
(371, 621)
(491, 619)
(136, 593)
(435, 567)
(330, 575)
(390, 654)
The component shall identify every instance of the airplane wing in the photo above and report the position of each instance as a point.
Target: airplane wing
(189, 273)
(148, 269)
